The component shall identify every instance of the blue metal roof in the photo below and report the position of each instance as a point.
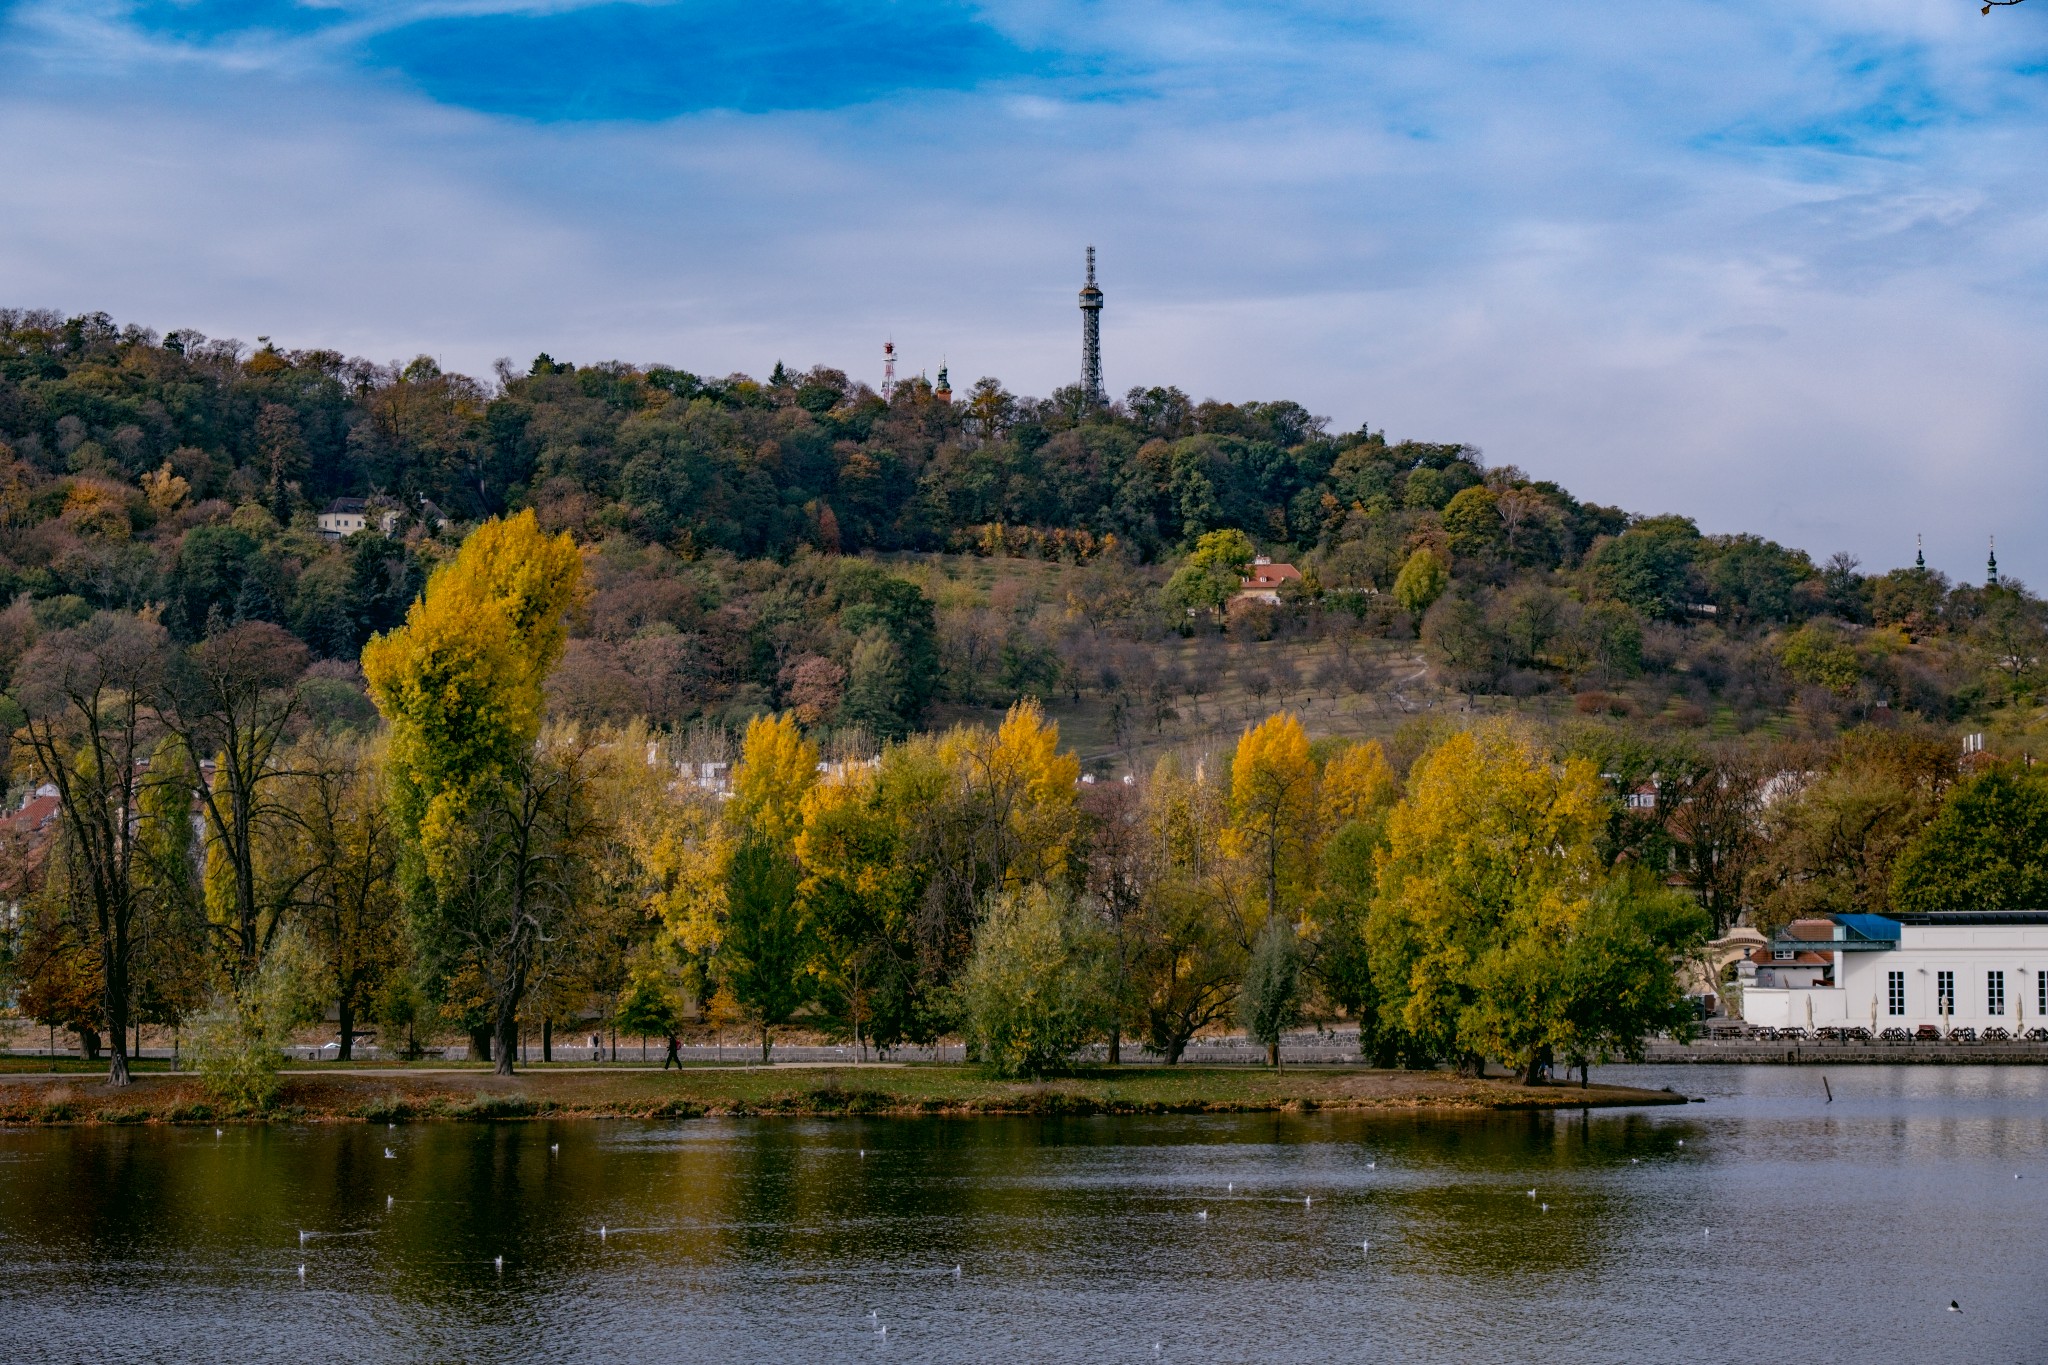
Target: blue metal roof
(1869, 926)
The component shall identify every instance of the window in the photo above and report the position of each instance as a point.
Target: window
(1783, 954)
(1895, 993)
(1994, 992)
(1945, 993)
(2041, 994)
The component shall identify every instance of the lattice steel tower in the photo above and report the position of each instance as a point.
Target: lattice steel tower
(1091, 337)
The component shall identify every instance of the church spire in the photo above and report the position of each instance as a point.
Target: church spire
(1919, 552)
(1991, 566)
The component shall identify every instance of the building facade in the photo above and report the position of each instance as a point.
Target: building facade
(1977, 970)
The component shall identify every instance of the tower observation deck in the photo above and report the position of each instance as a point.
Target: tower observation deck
(1091, 337)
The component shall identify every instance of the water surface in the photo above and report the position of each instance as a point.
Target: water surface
(1765, 1224)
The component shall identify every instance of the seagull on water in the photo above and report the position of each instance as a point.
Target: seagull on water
(554, 1146)
(603, 1233)
(1202, 1217)
(389, 1200)
(390, 1155)
(302, 1236)
(1546, 1208)
(1532, 1194)
(500, 1264)
(956, 1272)
(1306, 1202)
(1954, 1307)
(302, 1272)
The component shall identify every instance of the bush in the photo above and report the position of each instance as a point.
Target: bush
(1037, 988)
(239, 1044)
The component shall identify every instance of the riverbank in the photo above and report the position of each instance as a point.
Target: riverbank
(393, 1094)
(1819, 1052)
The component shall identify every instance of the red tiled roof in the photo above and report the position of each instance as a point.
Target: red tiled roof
(1266, 577)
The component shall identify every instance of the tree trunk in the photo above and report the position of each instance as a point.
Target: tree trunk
(767, 1042)
(1538, 1057)
(508, 1038)
(346, 1017)
(1174, 1047)
(1273, 1054)
(1116, 1045)
(547, 1039)
(89, 1043)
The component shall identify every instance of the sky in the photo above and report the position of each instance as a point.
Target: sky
(1780, 268)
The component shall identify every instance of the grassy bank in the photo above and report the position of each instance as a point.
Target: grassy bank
(397, 1095)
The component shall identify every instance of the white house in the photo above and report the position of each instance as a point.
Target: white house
(1976, 969)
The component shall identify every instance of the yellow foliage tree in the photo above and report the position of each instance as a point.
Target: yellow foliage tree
(1023, 786)
(777, 768)
(460, 681)
(1494, 848)
(1273, 803)
(1357, 784)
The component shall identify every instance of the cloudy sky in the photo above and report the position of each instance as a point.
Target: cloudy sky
(1779, 267)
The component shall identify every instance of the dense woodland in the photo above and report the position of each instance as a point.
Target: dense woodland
(766, 572)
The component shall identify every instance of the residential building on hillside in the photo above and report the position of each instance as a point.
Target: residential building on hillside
(1264, 582)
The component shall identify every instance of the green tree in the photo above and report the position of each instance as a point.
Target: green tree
(1270, 1002)
(1213, 572)
(652, 1005)
(1985, 849)
(1037, 988)
(764, 958)
(1421, 581)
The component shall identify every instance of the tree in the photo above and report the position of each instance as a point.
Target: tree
(1985, 849)
(652, 1005)
(1421, 581)
(496, 829)
(1213, 572)
(1831, 840)
(83, 695)
(1271, 1000)
(1036, 987)
(347, 894)
(765, 953)
(1492, 855)
(232, 697)
(1272, 803)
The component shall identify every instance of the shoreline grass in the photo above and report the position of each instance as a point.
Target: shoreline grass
(392, 1095)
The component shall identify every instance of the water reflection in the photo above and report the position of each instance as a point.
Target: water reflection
(1706, 1233)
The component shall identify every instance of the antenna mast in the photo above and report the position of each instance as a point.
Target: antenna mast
(888, 368)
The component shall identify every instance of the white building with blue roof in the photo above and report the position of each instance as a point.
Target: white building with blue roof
(1984, 971)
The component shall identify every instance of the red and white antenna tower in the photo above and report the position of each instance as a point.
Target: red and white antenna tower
(888, 368)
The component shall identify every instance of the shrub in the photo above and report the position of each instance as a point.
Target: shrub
(240, 1042)
(1037, 987)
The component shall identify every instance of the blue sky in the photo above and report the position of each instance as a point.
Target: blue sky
(1781, 268)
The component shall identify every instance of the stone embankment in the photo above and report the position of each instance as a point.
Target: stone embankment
(1762, 1052)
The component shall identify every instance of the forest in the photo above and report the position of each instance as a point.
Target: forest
(677, 702)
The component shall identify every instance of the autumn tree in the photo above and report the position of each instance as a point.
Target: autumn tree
(84, 696)
(495, 827)
(230, 699)
(1492, 854)
(1273, 805)
(346, 845)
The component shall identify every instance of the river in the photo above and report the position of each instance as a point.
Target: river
(1767, 1223)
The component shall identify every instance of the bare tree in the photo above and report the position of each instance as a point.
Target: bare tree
(85, 693)
(230, 698)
